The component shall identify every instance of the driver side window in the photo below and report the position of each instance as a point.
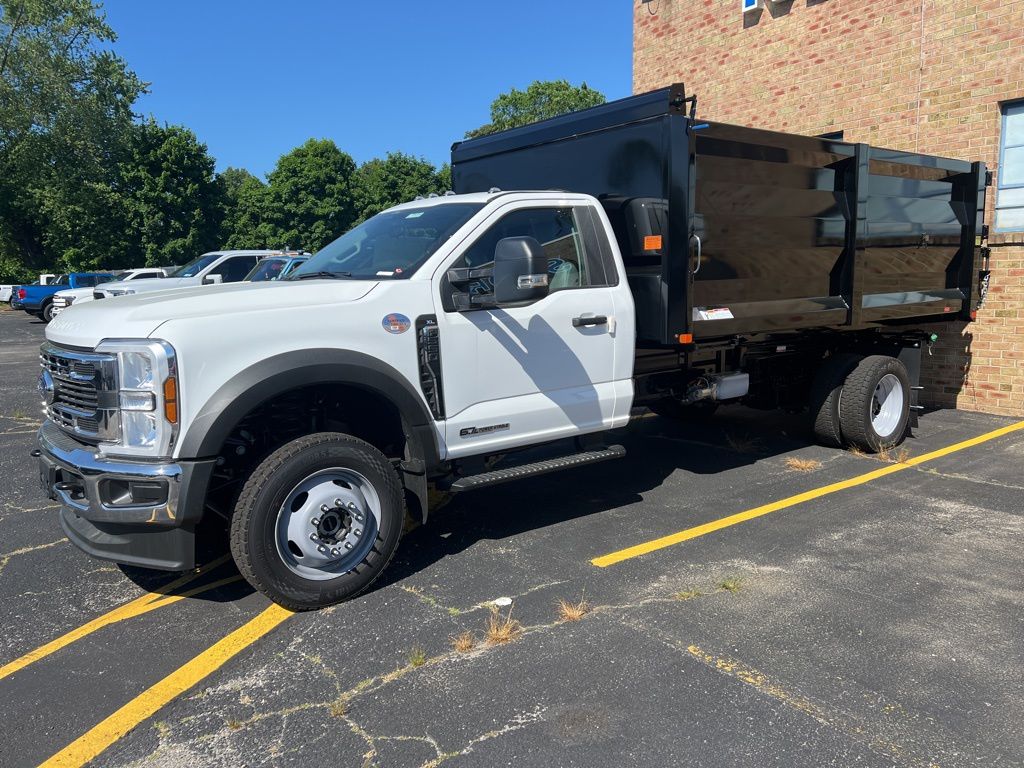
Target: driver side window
(557, 231)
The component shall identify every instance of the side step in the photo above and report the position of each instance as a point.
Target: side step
(473, 482)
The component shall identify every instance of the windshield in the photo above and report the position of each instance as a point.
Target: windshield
(393, 244)
(268, 269)
(193, 268)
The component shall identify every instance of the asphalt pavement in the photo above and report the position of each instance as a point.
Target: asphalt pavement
(837, 615)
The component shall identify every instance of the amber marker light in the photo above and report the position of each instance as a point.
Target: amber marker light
(171, 400)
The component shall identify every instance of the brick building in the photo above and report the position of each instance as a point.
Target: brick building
(931, 76)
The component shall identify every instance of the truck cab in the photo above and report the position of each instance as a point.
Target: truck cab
(208, 269)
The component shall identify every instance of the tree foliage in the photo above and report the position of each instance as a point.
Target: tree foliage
(86, 184)
(541, 100)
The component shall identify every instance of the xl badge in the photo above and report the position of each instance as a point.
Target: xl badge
(47, 391)
(396, 323)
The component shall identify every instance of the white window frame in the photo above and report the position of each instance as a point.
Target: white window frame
(1012, 108)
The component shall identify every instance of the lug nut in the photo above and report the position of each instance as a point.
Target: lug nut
(351, 505)
(348, 545)
(314, 537)
(315, 521)
(339, 503)
(335, 552)
(324, 508)
(321, 549)
(358, 531)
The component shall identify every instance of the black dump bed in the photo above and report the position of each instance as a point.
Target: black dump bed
(736, 231)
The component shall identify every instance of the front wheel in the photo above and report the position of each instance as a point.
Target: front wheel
(318, 521)
(47, 314)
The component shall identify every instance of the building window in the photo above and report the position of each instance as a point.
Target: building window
(1010, 196)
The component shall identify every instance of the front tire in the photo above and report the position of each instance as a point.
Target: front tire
(47, 314)
(874, 405)
(318, 521)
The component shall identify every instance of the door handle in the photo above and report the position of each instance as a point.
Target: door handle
(697, 268)
(579, 322)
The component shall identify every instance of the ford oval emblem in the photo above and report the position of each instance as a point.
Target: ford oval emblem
(396, 323)
(47, 390)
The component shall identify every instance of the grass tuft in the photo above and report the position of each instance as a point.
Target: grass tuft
(464, 642)
(233, 724)
(339, 707)
(417, 657)
(856, 451)
(686, 594)
(502, 629)
(802, 465)
(572, 611)
(731, 584)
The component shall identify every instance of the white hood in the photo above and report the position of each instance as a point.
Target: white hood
(138, 316)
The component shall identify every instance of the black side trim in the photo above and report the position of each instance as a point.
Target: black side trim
(428, 348)
(292, 370)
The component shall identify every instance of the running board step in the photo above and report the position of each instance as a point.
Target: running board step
(537, 468)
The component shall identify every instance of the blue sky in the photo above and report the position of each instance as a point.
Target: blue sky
(255, 79)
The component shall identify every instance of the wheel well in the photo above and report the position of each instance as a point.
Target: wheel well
(322, 407)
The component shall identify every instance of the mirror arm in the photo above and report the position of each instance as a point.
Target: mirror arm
(465, 274)
(466, 303)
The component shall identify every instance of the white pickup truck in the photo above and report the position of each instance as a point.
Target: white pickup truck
(210, 268)
(64, 299)
(307, 416)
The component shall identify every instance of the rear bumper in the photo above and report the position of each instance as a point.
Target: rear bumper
(138, 513)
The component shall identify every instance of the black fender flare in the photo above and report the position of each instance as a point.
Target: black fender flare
(274, 376)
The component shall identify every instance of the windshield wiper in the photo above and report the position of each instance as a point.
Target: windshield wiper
(321, 274)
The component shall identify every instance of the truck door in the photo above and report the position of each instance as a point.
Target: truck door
(520, 375)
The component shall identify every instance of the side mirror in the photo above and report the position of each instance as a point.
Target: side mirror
(520, 271)
(214, 279)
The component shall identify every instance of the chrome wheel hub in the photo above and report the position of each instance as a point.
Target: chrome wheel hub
(887, 405)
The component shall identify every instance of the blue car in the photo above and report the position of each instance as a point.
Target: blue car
(38, 299)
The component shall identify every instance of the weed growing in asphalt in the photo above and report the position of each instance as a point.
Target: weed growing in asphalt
(742, 443)
(338, 707)
(502, 629)
(234, 724)
(802, 465)
(464, 642)
(417, 657)
(686, 594)
(731, 584)
(572, 611)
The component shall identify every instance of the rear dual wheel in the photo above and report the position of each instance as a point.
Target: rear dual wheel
(862, 402)
(318, 521)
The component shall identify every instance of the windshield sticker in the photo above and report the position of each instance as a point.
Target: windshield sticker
(396, 323)
(414, 215)
(385, 274)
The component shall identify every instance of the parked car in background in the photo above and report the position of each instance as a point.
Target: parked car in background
(64, 299)
(6, 291)
(209, 269)
(38, 299)
(275, 267)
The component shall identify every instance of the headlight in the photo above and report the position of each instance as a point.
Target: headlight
(147, 396)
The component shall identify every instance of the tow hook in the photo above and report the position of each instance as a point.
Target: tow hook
(74, 490)
(36, 453)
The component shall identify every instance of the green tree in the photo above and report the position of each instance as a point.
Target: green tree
(309, 199)
(541, 100)
(174, 200)
(396, 179)
(65, 109)
(236, 184)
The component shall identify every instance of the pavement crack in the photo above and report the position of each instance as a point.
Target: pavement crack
(6, 558)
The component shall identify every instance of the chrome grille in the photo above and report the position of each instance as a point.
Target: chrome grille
(84, 399)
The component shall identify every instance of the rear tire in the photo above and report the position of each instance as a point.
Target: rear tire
(824, 399)
(875, 404)
(47, 313)
(318, 521)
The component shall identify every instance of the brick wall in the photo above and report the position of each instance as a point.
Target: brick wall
(921, 75)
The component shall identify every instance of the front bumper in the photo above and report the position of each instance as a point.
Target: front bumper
(132, 512)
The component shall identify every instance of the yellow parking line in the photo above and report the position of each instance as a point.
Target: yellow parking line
(96, 740)
(147, 602)
(741, 517)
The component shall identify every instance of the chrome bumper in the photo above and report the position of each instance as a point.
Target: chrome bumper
(130, 512)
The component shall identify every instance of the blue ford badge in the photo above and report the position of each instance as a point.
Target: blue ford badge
(46, 388)
(396, 323)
